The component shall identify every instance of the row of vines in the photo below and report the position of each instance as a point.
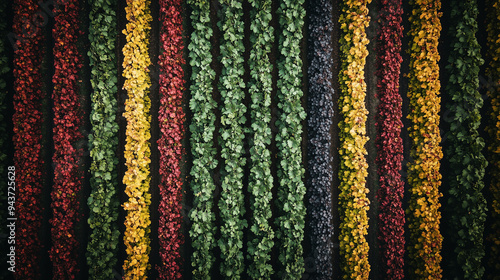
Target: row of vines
(27, 121)
(68, 118)
(102, 247)
(137, 148)
(249, 204)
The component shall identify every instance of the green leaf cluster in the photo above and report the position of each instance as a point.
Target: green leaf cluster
(291, 189)
(202, 129)
(261, 181)
(466, 203)
(103, 141)
(231, 85)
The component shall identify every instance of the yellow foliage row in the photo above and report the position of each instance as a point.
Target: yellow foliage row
(354, 203)
(493, 129)
(137, 149)
(423, 171)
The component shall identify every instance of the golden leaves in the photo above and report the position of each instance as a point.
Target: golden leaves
(353, 200)
(424, 177)
(137, 149)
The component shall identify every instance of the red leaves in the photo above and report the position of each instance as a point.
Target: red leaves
(389, 142)
(67, 120)
(27, 138)
(171, 120)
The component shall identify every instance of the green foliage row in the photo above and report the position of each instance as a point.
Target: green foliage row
(231, 85)
(291, 189)
(261, 182)
(202, 129)
(103, 141)
(466, 162)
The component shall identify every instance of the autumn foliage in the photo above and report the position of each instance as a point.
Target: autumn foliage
(389, 142)
(27, 120)
(424, 178)
(67, 146)
(171, 120)
(353, 201)
(137, 148)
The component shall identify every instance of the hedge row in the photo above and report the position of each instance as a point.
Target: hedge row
(319, 122)
(233, 109)
(353, 202)
(67, 138)
(291, 190)
(463, 154)
(261, 240)
(493, 130)
(103, 141)
(391, 218)
(423, 170)
(27, 120)
(137, 148)
(171, 119)
(202, 129)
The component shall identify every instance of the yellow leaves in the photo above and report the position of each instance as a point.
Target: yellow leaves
(137, 148)
(423, 173)
(353, 170)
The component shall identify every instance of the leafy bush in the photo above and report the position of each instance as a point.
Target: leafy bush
(353, 203)
(261, 241)
(27, 120)
(66, 135)
(137, 148)
(103, 142)
(463, 154)
(291, 189)
(423, 171)
(171, 120)
(391, 216)
(319, 122)
(202, 128)
(231, 85)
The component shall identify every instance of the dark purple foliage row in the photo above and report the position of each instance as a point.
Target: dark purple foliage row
(320, 115)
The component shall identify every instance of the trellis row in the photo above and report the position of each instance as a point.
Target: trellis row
(202, 128)
(353, 201)
(261, 239)
(137, 148)
(102, 247)
(319, 122)
(389, 142)
(171, 120)
(291, 190)
(66, 135)
(466, 163)
(27, 120)
(424, 178)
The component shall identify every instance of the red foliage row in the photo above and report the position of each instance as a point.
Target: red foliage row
(67, 153)
(389, 142)
(27, 138)
(171, 121)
